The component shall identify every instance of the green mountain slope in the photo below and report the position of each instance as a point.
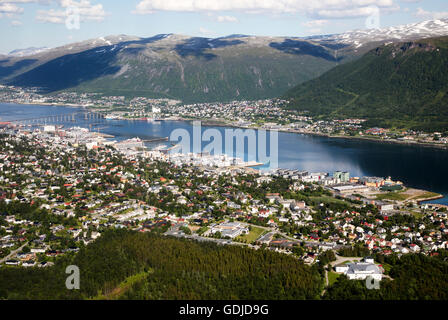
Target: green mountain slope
(184, 68)
(403, 85)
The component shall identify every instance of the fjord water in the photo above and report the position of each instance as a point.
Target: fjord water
(417, 166)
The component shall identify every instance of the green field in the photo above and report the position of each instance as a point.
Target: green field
(427, 195)
(115, 293)
(325, 199)
(401, 196)
(392, 196)
(253, 235)
(332, 277)
(417, 215)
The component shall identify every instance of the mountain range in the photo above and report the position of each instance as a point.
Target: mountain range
(27, 52)
(197, 69)
(191, 69)
(414, 31)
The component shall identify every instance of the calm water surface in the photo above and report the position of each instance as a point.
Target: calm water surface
(419, 167)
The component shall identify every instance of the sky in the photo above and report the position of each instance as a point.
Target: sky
(52, 23)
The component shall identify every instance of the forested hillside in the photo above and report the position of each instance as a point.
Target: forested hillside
(130, 265)
(415, 277)
(396, 85)
(171, 269)
(191, 69)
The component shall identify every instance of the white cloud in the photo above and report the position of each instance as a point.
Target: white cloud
(11, 6)
(205, 31)
(86, 11)
(7, 7)
(431, 15)
(322, 8)
(346, 13)
(51, 16)
(16, 23)
(314, 23)
(226, 19)
(315, 26)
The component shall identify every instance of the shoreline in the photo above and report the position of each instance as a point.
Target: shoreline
(389, 141)
(220, 123)
(46, 104)
(208, 123)
(419, 202)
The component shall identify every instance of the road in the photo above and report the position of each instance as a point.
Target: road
(175, 232)
(13, 253)
(340, 260)
(326, 283)
(269, 229)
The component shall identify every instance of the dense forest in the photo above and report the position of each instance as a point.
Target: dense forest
(172, 268)
(397, 85)
(131, 265)
(415, 277)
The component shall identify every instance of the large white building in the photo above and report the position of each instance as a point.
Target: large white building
(49, 128)
(360, 270)
(230, 229)
(351, 188)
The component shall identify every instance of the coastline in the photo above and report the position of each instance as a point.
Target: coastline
(223, 123)
(430, 199)
(390, 141)
(46, 104)
(211, 123)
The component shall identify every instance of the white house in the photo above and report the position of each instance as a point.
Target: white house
(341, 268)
(230, 229)
(362, 270)
(369, 260)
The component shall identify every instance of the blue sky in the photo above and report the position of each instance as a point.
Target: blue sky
(39, 23)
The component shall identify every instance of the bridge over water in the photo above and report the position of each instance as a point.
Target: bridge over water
(78, 116)
(61, 118)
(95, 121)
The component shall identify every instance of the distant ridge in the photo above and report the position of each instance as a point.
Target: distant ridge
(198, 69)
(192, 69)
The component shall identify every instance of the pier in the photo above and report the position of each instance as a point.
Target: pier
(156, 139)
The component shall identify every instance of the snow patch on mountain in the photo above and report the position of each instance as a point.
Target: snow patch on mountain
(357, 38)
(27, 52)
